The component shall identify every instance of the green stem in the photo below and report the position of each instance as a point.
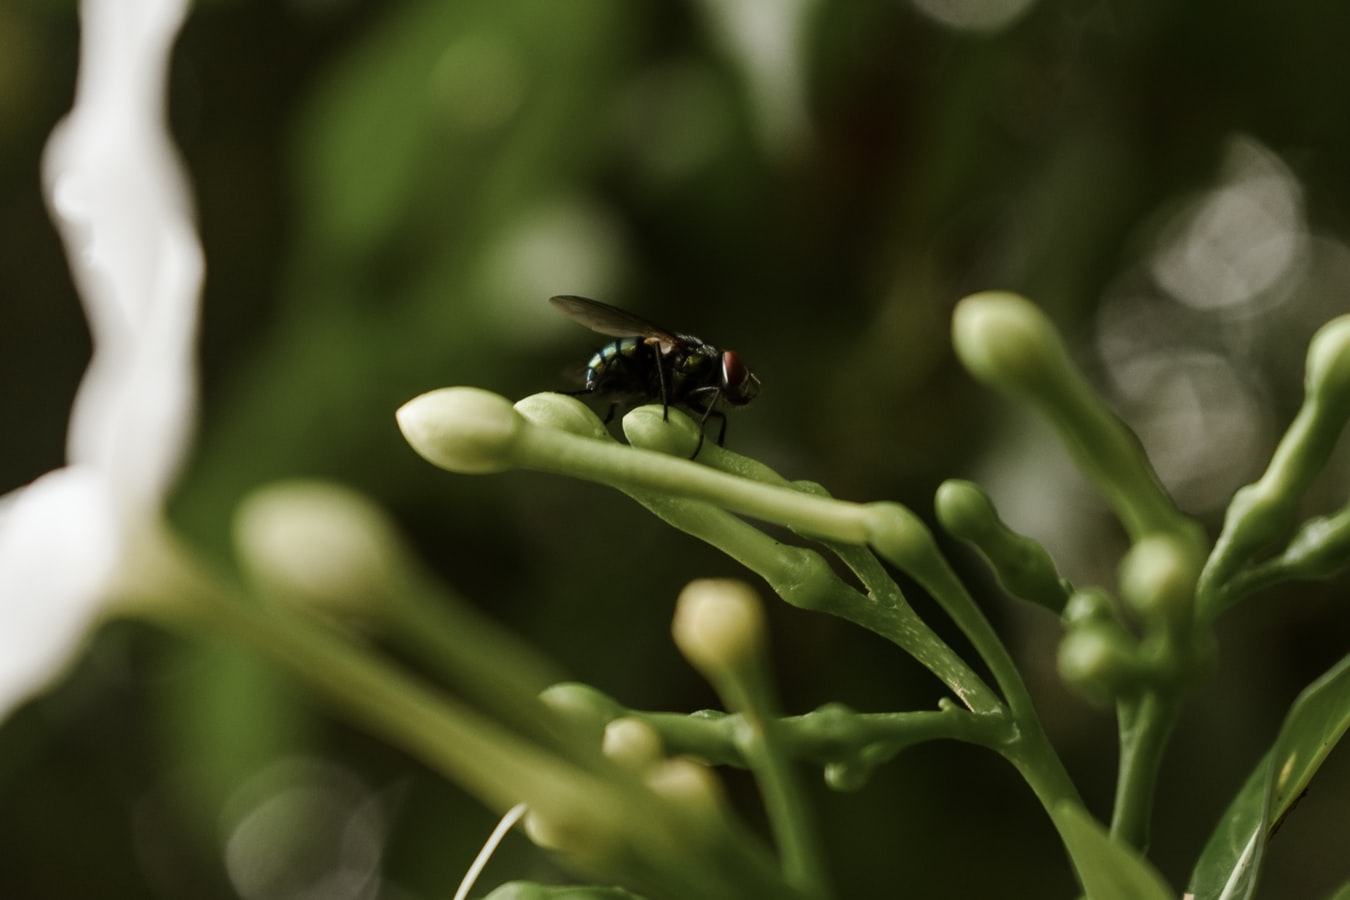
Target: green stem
(783, 801)
(500, 768)
(1145, 726)
(831, 734)
(804, 579)
(899, 537)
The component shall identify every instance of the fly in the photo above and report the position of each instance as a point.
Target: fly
(649, 363)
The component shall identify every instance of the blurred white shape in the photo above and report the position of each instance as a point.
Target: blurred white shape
(305, 829)
(767, 39)
(1202, 425)
(119, 198)
(1227, 249)
(982, 16)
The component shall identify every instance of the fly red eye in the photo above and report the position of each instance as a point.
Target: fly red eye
(733, 370)
(739, 383)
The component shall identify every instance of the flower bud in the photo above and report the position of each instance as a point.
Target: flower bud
(688, 785)
(563, 412)
(1023, 566)
(462, 429)
(322, 545)
(1006, 342)
(664, 430)
(719, 626)
(582, 832)
(1087, 605)
(1101, 661)
(1328, 369)
(632, 743)
(1157, 580)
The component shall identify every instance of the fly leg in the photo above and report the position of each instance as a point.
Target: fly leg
(660, 360)
(709, 410)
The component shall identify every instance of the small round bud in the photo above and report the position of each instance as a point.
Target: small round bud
(462, 429)
(563, 412)
(632, 743)
(583, 832)
(964, 510)
(688, 785)
(1006, 342)
(1087, 605)
(320, 544)
(1157, 579)
(1101, 661)
(719, 625)
(653, 427)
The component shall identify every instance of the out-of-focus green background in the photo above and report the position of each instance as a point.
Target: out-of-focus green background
(389, 191)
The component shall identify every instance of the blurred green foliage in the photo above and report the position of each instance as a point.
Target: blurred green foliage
(389, 191)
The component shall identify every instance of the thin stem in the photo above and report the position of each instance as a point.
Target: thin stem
(832, 734)
(1145, 726)
(804, 579)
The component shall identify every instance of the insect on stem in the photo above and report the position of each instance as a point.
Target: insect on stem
(648, 363)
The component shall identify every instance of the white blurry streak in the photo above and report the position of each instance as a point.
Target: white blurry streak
(767, 40)
(119, 199)
(118, 195)
(1229, 248)
(55, 556)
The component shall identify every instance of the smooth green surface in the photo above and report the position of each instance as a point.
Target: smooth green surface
(1230, 866)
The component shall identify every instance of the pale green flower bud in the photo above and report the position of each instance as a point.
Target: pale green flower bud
(632, 743)
(666, 431)
(1328, 368)
(563, 412)
(1023, 566)
(462, 429)
(1006, 342)
(1087, 605)
(1260, 511)
(1101, 661)
(1157, 581)
(322, 545)
(719, 626)
(688, 785)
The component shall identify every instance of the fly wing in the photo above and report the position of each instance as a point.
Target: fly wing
(610, 320)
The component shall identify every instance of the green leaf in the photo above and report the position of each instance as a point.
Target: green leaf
(1231, 861)
(1108, 870)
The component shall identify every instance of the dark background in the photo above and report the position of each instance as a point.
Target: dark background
(387, 194)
